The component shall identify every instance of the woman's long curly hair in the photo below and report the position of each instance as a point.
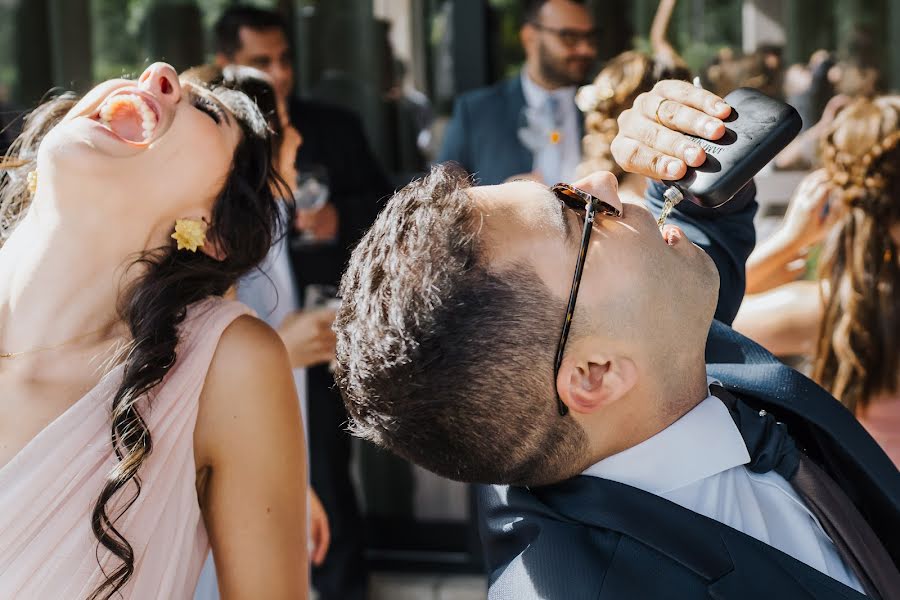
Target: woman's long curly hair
(857, 351)
(244, 219)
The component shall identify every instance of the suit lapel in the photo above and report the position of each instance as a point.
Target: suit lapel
(822, 426)
(764, 572)
(734, 564)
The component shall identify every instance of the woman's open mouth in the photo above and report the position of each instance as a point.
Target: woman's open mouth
(132, 116)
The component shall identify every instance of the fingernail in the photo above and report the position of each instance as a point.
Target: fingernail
(673, 168)
(692, 154)
(721, 107)
(711, 128)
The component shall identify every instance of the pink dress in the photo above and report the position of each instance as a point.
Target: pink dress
(881, 418)
(48, 490)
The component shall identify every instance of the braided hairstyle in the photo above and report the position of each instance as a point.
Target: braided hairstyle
(244, 219)
(857, 350)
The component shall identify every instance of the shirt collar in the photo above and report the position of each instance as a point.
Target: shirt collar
(702, 443)
(535, 95)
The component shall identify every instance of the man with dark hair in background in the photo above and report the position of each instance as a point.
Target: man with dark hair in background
(645, 450)
(334, 148)
(528, 125)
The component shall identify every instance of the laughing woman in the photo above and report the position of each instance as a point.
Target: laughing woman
(143, 419)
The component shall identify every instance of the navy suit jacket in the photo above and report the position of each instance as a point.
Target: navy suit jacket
(483, 133)
(591, 538)
(334, 138)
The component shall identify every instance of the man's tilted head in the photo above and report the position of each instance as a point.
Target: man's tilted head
(452, 309)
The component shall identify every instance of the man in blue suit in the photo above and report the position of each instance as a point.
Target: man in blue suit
(645, 449)
(528, 125)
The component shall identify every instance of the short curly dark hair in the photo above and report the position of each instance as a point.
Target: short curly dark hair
(531, 9)
(227, 29)
(445, 361)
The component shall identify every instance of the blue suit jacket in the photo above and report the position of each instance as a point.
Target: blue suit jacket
(590, 538)
(483, 134)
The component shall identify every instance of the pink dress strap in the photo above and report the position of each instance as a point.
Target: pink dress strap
(48, 490)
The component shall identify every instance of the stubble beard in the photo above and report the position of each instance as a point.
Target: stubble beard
(553, 70)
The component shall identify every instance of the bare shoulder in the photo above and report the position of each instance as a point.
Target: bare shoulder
(248, 345)
(248, 388)
(248, 444)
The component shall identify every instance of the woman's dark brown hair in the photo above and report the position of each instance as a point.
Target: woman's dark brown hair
(857, 351)
(244, 219)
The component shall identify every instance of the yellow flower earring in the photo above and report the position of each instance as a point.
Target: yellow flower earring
(190, 234)
(32, 182)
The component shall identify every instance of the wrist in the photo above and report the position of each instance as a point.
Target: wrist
(783, 241)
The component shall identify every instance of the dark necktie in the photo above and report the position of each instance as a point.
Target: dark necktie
(771, 448)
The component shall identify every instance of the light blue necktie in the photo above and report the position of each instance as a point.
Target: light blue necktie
(551, 163)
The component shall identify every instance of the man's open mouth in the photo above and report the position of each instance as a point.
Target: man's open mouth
(130, 116)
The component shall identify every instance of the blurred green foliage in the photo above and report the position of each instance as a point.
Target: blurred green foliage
(118, 47)
(7, 53)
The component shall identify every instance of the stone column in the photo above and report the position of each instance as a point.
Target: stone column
(762, 23)
(173, 32)
(70, 34)
(34, 62)
(892, 74)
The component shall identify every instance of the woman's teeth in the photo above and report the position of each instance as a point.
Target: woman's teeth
(118, 107)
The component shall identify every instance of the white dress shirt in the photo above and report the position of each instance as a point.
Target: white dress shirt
(559, 167)
(697, 462)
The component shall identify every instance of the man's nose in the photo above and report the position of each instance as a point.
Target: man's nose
(161, 80)
(281, 72)
(586, 48)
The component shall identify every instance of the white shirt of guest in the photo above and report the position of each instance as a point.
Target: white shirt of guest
(697, 462)
(569, 145)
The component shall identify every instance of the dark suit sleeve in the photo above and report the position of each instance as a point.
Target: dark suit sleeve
(364, 194)
(454, 146)
(728, 237)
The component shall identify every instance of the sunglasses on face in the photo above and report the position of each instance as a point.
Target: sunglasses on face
(588, 205)
(570, 38)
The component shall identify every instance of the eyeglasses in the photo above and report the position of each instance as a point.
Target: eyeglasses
(571, 37)
(579, 201)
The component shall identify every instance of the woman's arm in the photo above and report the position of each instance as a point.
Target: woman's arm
(659, 41)
(784, 320)
(250, 436)
(806, 222)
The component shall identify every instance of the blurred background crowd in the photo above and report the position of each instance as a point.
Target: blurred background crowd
(377, 90)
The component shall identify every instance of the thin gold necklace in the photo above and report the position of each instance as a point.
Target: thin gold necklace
(46, 348)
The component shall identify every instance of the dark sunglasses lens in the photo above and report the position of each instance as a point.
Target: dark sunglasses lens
(569, 198)
(569, 39)
(573, 38)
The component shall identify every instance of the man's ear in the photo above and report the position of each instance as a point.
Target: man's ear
(222, 60)
(588, 386)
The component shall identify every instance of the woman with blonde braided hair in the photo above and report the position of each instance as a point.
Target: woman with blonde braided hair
(850, 321)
